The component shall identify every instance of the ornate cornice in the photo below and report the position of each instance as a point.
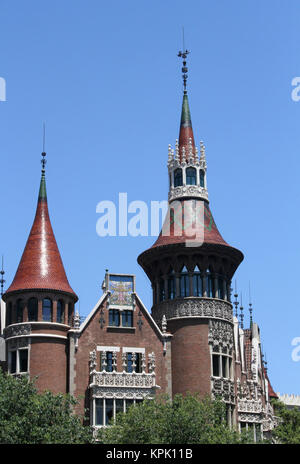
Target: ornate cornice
(193, 307)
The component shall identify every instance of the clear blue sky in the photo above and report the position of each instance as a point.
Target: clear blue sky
(105, 78)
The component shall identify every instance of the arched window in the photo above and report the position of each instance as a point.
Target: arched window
(60, 312)
(184, 283)
(20, 308)
(32, 309)
(201, 178)
(47, 310)
(191, 176)
(197, 283)
(162, 290)
(210, 287)
(171, 286)
(178, 177)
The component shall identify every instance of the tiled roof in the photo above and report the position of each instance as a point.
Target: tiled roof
(41, 266)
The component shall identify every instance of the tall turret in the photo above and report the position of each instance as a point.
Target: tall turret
(40, 306)
(190, 267)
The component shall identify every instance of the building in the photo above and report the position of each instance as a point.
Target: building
(191, 342)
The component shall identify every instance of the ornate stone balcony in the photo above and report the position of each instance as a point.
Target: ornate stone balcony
(123, 379)
(250, 406)
(193, 307)
(223, 388)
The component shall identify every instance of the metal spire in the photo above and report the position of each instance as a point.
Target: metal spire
(43, 161)
(183, 54)
(2, 281)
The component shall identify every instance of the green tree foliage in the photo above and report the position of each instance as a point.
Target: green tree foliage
(185, 420)
(288, 428)
(28, 417)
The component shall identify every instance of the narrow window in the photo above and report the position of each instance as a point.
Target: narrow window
(99, 411)
(33, 309)
(129, 364)
(138, 362)
(171, 287)
(9, 314)
(220, 288)
(201, 178)
(23, 360)
(210, 285)
(114, 318)
(197, 283)
(178, 177)
(184, 283)
(127, 318)
(60, 312)
(128, 404)
(161, 290)
(109, 361)
(47, 310)
(20, 308)
(216, 366)
(109, 411)
(191, 178)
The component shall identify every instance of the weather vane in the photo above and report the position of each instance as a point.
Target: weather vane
(183, 54)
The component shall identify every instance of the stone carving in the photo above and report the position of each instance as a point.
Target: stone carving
(123, 379)
(93, 361)
(223, 388)
(17, 330)
(187, 191)
(192, 307)
(220, 334)
(128, 393)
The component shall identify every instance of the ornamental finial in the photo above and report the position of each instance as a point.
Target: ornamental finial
(2, 281)
(250, 307)
(183, 54)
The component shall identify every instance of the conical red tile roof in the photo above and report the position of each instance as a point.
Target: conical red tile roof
(41, 266)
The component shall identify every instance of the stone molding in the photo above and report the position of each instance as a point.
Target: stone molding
(223, 388)
(192, 307)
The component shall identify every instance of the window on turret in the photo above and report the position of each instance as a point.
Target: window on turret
(184, 283)
(70, 313)
(47, 310)
(20, 309)
(9, 314)
(197, 283)
(161, 290)
(191, 176)
(60, 312)
(210, 287)
(220, 288)
(32, 309)
(171, 286)
(202, 178)
(178, 177)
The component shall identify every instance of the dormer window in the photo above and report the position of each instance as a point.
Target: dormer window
(178, 177)
(191, 176)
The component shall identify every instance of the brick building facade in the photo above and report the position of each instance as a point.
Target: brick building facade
(121, 353)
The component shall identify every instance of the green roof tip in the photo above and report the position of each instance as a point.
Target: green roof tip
(43, 192)
(186, 120)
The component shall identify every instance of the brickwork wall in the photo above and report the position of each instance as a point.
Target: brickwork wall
(191, 360)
